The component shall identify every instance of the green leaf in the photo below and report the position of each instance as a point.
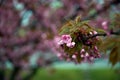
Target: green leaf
(100, 31)
(114, 56)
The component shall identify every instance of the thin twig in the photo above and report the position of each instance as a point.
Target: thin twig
(104, 34)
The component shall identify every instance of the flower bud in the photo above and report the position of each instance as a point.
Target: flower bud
(74, 56)
(86, 54)
(82, 50)
(94, 32)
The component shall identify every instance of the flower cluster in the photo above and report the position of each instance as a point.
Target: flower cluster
(66, 39)
(79, 42)
(83, 48)
(89, 56)
(84, 54)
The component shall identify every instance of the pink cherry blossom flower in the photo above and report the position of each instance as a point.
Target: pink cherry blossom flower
(86, 54)
(58, 55)
(105, 25)
(82, 55)
(60, 42)
(71, 44)
(91, 58)
(66, 38)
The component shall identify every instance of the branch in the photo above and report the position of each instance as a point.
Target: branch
(84, 38)
(104, 34)
(1, 2)
(105, 7)
(115, 33)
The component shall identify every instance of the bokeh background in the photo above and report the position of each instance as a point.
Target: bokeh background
(27, 30)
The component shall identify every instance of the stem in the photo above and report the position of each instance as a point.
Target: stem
(2, 74)
(14, 73)
(2, 70)
(104, 34)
